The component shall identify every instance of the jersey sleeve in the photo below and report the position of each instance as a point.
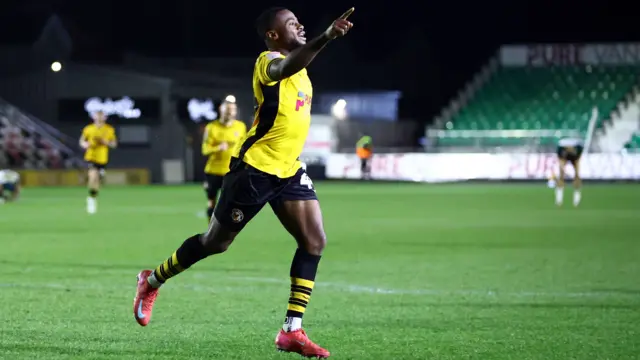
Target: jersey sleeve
(262, 67)
(242, 129)
(86, 133)
(207, 141)
(112, 135)
(207, 135)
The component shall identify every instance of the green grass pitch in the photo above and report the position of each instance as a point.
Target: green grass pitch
(412, 271)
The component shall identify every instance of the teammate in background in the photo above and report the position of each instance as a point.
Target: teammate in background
(569, 150)
(97, 139)
(9, 185)
(364, 150)
(265, 169)
(220, 138)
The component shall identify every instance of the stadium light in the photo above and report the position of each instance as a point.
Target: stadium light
(230, 99)
(56, 66)
(339, 109)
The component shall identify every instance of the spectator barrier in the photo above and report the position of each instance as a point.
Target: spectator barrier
(78, 177)
(443, 167)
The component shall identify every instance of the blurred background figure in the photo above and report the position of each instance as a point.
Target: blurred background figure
(220, 138)
(97, 139)
(9, 185)
(364, 150)
(569, 151)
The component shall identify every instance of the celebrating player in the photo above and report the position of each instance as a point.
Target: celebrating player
(265, 169)
(569, 150)
(220, 138)
(97, 139)
(9, 185)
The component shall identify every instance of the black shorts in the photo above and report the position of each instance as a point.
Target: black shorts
(212, 184)
(100, 167)
(571, 154)
(245, 190)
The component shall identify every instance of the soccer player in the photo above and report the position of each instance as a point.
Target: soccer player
(569, 151)
(364, 150)
(97, 139)
(220, 138)
(9, 185)
(265, 169)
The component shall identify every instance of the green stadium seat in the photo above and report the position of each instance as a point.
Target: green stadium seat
(541, 98)
(634, 143)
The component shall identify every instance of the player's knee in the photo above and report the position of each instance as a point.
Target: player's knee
(93, 175)
(315, 244)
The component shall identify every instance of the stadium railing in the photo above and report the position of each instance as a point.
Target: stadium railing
(27, 142)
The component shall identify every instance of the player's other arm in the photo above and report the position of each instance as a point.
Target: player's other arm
(112, 140)
(301, 57)
(208, 141)
(84, 139)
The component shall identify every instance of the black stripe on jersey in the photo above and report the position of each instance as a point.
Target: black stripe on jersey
(266, 116)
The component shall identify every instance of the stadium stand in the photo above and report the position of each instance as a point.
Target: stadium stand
(25, 144)
(624, 128)
(534, 106)
(634, 143)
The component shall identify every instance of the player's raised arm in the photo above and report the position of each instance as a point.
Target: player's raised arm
(301, 57)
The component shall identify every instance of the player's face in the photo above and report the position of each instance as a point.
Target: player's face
(99, 118)
(291, 33)
(229, 111)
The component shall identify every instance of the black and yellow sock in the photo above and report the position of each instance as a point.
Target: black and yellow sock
(190, 252)
(209, 213)
(93, 193)
(303, 275)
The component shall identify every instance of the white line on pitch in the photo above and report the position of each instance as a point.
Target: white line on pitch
(332, 286)
(437, 292)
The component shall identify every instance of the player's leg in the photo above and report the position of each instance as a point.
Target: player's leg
(298, 210)
(551, 180)
(562, 162)
(577, 182)
(93, 184)
(365, 169)
(237, 205)
(213, 184)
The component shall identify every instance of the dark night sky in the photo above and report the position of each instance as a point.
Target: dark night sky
(455, 37)
(218, 28)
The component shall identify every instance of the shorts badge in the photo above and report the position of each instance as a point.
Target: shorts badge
(237, 215)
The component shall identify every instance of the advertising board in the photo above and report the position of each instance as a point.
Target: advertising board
(459, 167)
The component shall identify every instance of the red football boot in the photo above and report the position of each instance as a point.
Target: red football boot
(298, 342)
(145, 297)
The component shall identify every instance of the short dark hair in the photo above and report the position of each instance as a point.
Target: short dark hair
(264, 22)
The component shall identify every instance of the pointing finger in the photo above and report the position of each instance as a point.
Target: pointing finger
(347, 13)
